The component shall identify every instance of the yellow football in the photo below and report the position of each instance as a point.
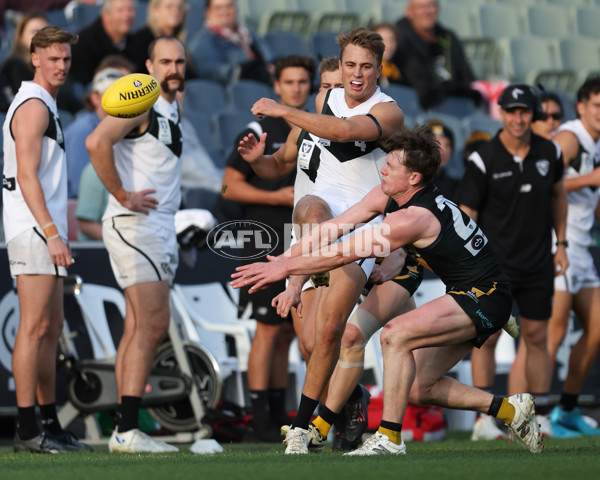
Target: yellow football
(131, 95)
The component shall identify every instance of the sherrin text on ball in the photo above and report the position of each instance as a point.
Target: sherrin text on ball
(131, 95)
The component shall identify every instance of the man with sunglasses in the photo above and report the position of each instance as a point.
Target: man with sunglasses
(550, 116)
(513, 188)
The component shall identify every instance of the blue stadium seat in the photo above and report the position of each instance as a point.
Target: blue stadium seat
(580, 54)
(335, 22)
(460, 18)
(569, 3)
(323, 45)
(202, 123)
(244, 93)
(253, 11)
(84, 15)
(283, 44)
(228, 125)
(195, 16)
(588, 20)
(532, 60)
(279, 21)
(58, 18)
(458, 106)
(205, 95)
(392, 10)
(141, 13)
(368, 11)
(497, 21)
(549, 21)
(406, 97)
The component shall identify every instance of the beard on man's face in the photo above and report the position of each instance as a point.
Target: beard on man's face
(174, 76)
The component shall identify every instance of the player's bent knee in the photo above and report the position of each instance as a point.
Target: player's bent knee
(360, 328)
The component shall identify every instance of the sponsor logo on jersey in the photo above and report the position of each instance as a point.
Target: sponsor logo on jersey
(484, 320)
(9, 183)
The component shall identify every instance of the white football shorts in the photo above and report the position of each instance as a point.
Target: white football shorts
(140, 251)
(28, 255)
(581, 272)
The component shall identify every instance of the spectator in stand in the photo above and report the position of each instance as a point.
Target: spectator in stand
(18, 68)
(431, 57)
(225, 50)
(109, 69)
(110, 34)
(30, 5)
(551, 117)
(390, 73)
(445, 183)
(164, 17)
(329, 74)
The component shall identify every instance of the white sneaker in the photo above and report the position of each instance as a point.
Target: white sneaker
(379, 444)
(296, 440)
(136, 441)
(524, 428)
(316, 441)
(545, 425)
(485, 428)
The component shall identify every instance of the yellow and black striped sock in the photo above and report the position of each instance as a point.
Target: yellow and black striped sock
(322, 426)
(500, 408)
(392, 430)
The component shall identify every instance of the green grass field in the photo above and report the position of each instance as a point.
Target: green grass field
(455, 457)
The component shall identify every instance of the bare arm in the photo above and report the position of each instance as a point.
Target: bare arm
(270, 167)
(559, 217)
(29, 123)
(389, 268)
(569, 144)
(100, 143)
(90, 228)
(414, 225)
(357, 128)
(239, 190)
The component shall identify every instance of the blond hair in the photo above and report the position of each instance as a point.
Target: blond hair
(364, 38)
(49, 36)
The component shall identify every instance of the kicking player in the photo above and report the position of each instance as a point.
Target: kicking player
(340, 154)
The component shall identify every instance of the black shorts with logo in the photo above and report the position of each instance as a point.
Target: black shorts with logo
(488, 306)
(411, 275)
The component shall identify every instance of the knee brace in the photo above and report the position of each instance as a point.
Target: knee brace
(366, 322)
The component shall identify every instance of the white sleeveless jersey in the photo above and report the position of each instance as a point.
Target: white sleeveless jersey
(52, 171)
(347, 171)
(309, 152)
(582, 202)
(151, 160)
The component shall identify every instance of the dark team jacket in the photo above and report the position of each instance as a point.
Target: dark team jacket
(514, 202)
(460, 255)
